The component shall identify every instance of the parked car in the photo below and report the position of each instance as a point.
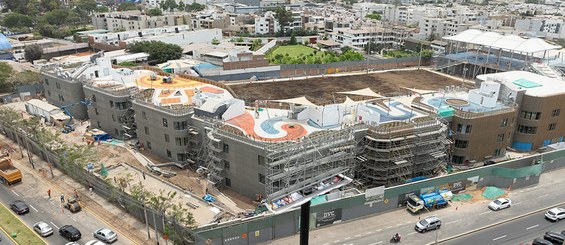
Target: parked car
(106, 235)
(20, 207)
(94, 242)
(70, 233)
(554, 237)
(43, 229)
(500, 203)
(541, 241)
(555, 214)
(72, 205)
(429, 223)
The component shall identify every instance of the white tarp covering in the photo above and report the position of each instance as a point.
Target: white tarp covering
(508, 42)
(362, 92)
(298, 100)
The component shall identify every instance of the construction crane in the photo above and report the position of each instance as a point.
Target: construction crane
(68, 127)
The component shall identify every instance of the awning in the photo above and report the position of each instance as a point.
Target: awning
(299, 100)
(420, 91)
(348, 101)
(363, 92)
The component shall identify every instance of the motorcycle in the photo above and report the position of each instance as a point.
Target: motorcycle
(395, 239)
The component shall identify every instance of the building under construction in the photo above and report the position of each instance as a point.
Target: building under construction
(396, 152)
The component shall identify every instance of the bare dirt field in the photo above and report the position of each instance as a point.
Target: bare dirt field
(321, 90)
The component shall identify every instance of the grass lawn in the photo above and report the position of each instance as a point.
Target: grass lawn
(11, 224)
(294, 50)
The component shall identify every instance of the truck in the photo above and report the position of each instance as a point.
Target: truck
(436, 199)
(8, 173)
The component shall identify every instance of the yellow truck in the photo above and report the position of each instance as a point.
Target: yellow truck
(8, 173)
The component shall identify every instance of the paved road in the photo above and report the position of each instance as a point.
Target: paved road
(33, 190)
(5, 240)
(519, 231)
(457, 218)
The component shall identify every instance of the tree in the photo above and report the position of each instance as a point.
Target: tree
(125, 6)
(102, 9)
(169, 5)
(27, 7)
(292, 39)
(49, 5)
(345, 49)
(181, 6)
(155, 12)
(33, 52)
(57, 17)
(284, 17)
(159, 52)
(17, 20)
(215, 41)
(195, 7)
(86, 5)
(374, 16)
(5, 72)
(426, 53)
(256, 44)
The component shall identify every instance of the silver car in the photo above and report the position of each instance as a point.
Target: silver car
(106, 235)
(43, 229)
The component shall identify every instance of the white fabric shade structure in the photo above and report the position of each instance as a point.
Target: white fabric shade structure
(348, 101)
(509, 42)
(298, 100)
(420, 91)
(363, 92)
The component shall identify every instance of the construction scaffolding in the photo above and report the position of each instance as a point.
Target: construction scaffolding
(399, 151)
(300, 166)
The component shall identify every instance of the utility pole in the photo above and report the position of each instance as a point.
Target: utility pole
(155, 225)
(420, 58)
(304, 223)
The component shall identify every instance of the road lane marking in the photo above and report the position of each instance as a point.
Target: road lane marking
(369, 233)
(514, 204)
(379, 242)
(348, 244)
(412, 233)
(487, 212)
(336, 241)
(542, 196)
(326, 243)
(378, 230)
(388, 227)
(398, 225)
(74, 219)
(54, 225)
(347, 238)
(500, 237)
(358, 235)
(452, 222)
(408, 222)
(33, 208)
(533, 226)
(15, 193)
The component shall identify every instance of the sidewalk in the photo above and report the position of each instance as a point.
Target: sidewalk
(114, 216)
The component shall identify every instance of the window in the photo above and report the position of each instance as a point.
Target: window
(167, 138)
(169, 154)
(226, 148)
(526, 129)
(468, 129)
(497, 152)
(116, 132)
(500, 137)
(99, 125)
(459, 128)
(146, 130)
(504, 122)
(551, 126)
(555, 113)
(143, 115)
(48, 92)
(182, 125)
(148, 145)
(61, 98)
(111, 104)
(228, 181)
(226, 165)
(113, 118)
(57, 85)
(261, 160)
(181, 141)
(262, 178)
(181, 157)
(93, 98)
(461, 143)
(528, 115)
(457, 159)
(165, 123)
(121, 105)
(46, 81)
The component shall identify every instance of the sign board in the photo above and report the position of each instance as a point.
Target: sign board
(328, 217)
(376, 194)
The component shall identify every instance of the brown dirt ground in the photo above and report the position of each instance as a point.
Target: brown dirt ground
(321, 90)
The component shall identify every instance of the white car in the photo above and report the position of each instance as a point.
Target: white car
(500, 203)
(43, 229)
(106, 235)
(555, 214)
(94, 242)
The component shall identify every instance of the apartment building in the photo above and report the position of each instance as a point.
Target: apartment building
(434, 28)
(550, 27)
(136, 20)
(359, 38)
(267, 24)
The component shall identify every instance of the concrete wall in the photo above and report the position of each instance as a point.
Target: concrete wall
(62, 92)
(155, 139)
(106, 111)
